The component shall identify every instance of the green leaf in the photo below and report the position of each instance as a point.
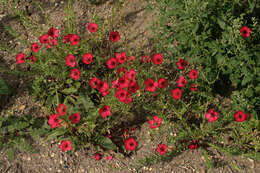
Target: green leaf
(4, 89)
(105, 142)
(56, 133)
(221, 23)
(10, 153)
(69, 90)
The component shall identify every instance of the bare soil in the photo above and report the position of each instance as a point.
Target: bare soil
(48, 157)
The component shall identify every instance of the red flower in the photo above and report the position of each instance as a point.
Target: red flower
(146, 59)
(109, 158)
(128, 99)
(92, 27)
(44, 38)
(123, 82)
(87, 58)
(53, 32)
(65, 145)
(121, 69)
(245, 31)
(193, 87)
(211, 115)
(20, 58)
(74, 39)
(130, 144)
(61, 110)
(193, 145)
(131, 75)
(105, 111)
(102, 86)
(121, 94)
(111, 63)
(75, 118)
(67, 38)
(97, 156)
(193, 74)
(94, 82)
(162, 82)
(35, 47)
(150, 85)
(104, 93)
(53, 120)
(181, 64)
(181, 82)
(70, 60)
(114, 83)
(114, 36)
(157, 58)
(133, 87)
(240, 116)
(120, 58)
(32, 58)
(126, 133)
(176, 93)
(162, 149)
(155, 122)
(74, 74)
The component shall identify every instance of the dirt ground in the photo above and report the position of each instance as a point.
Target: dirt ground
(48, 157)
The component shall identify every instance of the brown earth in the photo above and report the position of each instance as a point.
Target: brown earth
(49, 158)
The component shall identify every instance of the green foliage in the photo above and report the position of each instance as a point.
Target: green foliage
(4, 88)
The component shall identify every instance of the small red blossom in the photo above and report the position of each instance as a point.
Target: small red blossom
(87, 58)
(32, 58)
(121, 70)
(193, 145)
(155, 122)
(75, 118)
(126, 133)
(104, 93)
(44, 39)
(193, 87)
(67, 38)
(130, 144)
(162, 149)
(70, 60)
(176, 93)
(245, 31)
(162, 82)
(157, 58)
(114, 83)
(74, 39)
(54, 42)
(94, 82)
(193, 74)
(121, 94)
(123, 82)
(133, 87)
(181, 64)
(111, 63)
(211, 115)
(121, 59)
(35, 47)
(105, 111)
(109, 158)
(131, 75)
(53, 32)
(102, 86)
(181, 82)
(240, 116)
(61, 110)
(20, 58)
(53, 120)
(92, 27)
(65, 145)
(114, 36)
(128, 99)
(150, 85)
(97, 156)
(74, 74)
(146, 59)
